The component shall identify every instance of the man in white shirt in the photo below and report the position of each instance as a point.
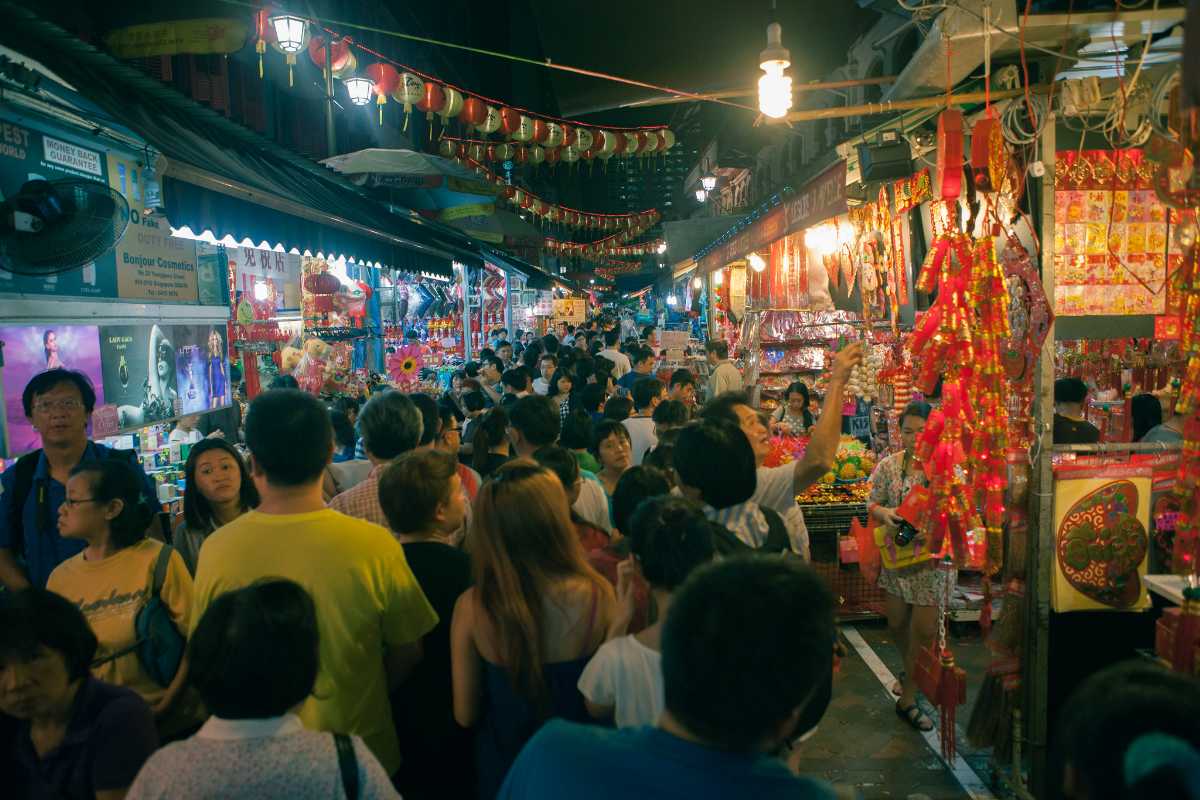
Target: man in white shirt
(777, 487)
(620, 361)
(547, 364)
(724, 376)
(647, 394)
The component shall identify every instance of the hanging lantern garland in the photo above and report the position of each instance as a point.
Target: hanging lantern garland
(602, 249)
(529, 150)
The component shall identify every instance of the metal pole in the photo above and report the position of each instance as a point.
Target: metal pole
(1041, 537)
(330, 130)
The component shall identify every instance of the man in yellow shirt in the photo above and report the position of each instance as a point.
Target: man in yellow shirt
(371, 613)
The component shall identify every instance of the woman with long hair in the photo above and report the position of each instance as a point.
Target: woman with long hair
(561, 392)
(216, 371)
(217, 491)
(522, 635)
(793, 415)
(50, 348)
(490, 442)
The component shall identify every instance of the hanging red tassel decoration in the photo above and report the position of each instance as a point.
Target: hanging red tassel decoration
(945, 684)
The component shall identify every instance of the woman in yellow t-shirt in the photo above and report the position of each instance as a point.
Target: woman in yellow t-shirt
(113, 577)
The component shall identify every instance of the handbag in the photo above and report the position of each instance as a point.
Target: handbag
(159, 644)
(896, 556)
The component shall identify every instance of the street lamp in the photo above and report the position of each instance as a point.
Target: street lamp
(701, 195)
(709, 182)
(291, 34)
(775, 88)
(359, 89)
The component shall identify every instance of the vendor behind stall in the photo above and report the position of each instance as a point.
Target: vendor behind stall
(1070, 397)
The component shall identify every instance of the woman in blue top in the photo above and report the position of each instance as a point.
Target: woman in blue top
(522, 635)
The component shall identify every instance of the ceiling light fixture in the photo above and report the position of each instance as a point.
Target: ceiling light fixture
(359, 89)
(709, 182)
(774, 87)
(701, 195)
(291, 35)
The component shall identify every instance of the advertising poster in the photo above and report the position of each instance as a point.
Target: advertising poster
(201, 367)
(278, 273)
(28, 154)
(29, 350)
(154, 265)
(139, 373)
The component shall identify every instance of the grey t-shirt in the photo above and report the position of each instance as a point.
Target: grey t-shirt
(1161, 433)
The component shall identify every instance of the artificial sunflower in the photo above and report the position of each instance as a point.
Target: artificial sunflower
(408, 366)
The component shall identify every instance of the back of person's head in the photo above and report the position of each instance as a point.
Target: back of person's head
(253, 654)
(730, 678)
(682, 377)
(289, 436)
(431, 420)
(640, 354)
(671, 537)
(33, 621)
(645, 392)
(343, 428)
(474, 401)
(43, 382)
(390, 424)
(576, 430)
(635, 485)
(663, 456)
(714, 457)
(490, 431)
(471, 369)
(111, 480)
(283, 382)
(591, 397)
(197, 510)
(561, 462)
(717, 346)
(522, 541)
(1131, 731)
(1146, 413)
(670, 414)
(536, 418)
(1070, 390)
(595, 346)
(618, 408)
(611, 338)
(550, 344)
(413, 486)
(515, 379)
(724, 407)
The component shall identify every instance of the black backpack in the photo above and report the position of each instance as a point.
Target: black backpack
(23, 472)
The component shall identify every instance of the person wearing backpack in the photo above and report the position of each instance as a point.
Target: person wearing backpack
(58, 403)
(135, 592)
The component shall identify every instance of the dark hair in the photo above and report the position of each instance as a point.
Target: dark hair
(670, 413)
(197, 511)
(283, 382)
(576, 430)
(1146, 411)
(549, 344)
(594, 346)
(611, 338)
(348, 403)
(639, 354)
(391, 424)
(644, 392)
(559, 374)
(343, 428)
(412, 487)
(289, 435)
(490, 430)
(431, 421)
(584, 368)
(604, 430)
(722, 407)
(618, 408)
(662, 456)
(548, 357)
(536, 417)
(516, 379)
(800, 387)
(715, 457)
(1117, 708)
(591, 397)
(917, 408)
(647, 331)
(721, 631)
(45, 381)
(46, 342)
(471, 369)
(494, 360)
(474, 401)
(447, 411)
(1070, 390)
(717, 346)
(561, 462)
(503, 343)
(682, 377)
(635, 485)
(34, 618)
(670, 536)
(117, 480)
(253, 654)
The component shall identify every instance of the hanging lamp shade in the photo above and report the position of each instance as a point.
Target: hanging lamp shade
(359, 89)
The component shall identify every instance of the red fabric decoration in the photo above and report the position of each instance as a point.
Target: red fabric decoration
(948, 178)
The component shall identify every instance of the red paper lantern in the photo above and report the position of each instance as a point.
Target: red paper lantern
(474, 111)
(434, 99)
(540, 131)
(552, 154)
(619, 148)
(568, 135)
(509, 192)
(339, 48)
(510, 120)
(386, 80)
(526, 200)
(520, 155)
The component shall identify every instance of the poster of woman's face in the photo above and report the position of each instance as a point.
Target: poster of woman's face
(139, 372)
(29, 350)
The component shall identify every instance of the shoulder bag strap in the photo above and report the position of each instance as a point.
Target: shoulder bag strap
(23, 481)
(347, 765)
(160, 569)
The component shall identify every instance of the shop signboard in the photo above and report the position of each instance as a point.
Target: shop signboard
(154, 265)
(571, 310)
(252, 265)
(31, 349)
(209, 35)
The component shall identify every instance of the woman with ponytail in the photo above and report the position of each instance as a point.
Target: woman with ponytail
(113, 578)
(490, 442)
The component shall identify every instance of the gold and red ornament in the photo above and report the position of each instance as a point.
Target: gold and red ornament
(386, 79)
(949, 172)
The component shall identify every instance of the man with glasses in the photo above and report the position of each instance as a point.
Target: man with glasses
(58, 403)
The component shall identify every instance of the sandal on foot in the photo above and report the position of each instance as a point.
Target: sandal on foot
(898, 685)
(915, 718)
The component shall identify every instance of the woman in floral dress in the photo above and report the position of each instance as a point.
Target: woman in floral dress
(914, 592)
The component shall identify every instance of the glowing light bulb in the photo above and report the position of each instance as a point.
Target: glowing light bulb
(697, 283)
(261, 291)
(662, 247)
(774, 87)
(701, 195)
(756, 262)
(718, 278)
(671, 300)
(709, 182)
(359, 89)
